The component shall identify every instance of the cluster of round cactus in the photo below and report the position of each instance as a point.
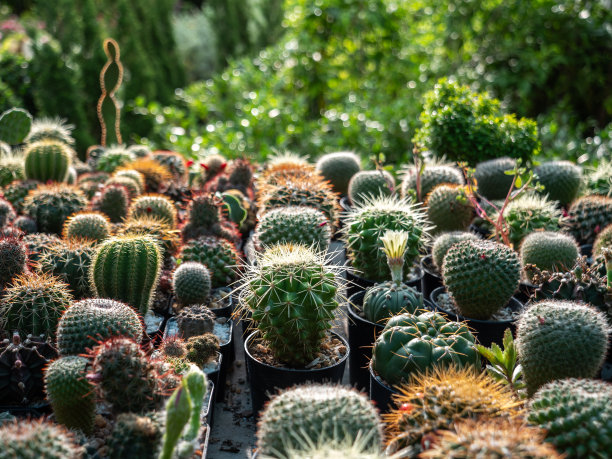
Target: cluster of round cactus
(218, 255)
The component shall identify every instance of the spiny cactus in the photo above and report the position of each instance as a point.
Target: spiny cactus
(491, 178)
(328, 448)
(156, 175)
(167, 238)
(560, 339)
(205, 217)
(448, 208)
(91, 183)
(412, 344)
(191, 283)
(51, 205)
(51, 129)
(133, 188)
(195, 320)
(127, 268)
(561, 180)
(291, 292)
(25, 224)
(154, 205)
(212, 165)
(14, 258)
(47, 160)
(37, 439)
(202, 349)
(135, 436)
(172, 346)
(443, 242)
(11, 168)
(114, 157)
(589, 215)
(113, 201)
(366, 184)
(174, 162)
(481, 277)
(603, 240)
(37, 244)
(433, 175)
(15, 125)
(70, 393)
(16, 192)
(33, 304)
(366, 224)
(94, 226)
(338, 168)
(133, 175)
(87, 322)
(218, 255)
(598, 180)
(7, 213)
(550, 251)
(315, 411)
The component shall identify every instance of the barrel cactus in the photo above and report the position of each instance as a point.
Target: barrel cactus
(37, 244)
(113, 158)
(35, 438)
(167, 237)
(154, 205)
(550, 251)
(47, 160)
(433, 175)
(135, 436)
(133, 187)
(191, 283)
(481, 277)
(370, 184)
(51, 205)
(411, 344)
(561, 180)
(589, 215)
(338, 168)
(94, 226)
(7, 213)
(157, 176)
(443, 242)
(113, 201)
(206, 217)
(448, 208)
(133, 175)
(25, 224)
(218, 255)
(17, 191)
(14, 258)
(491, 178)
(552, 342)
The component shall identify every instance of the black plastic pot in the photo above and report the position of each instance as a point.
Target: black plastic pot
(355, 284)
(227, 310)
(205, 440)
(380, 393)
(265, 379)
(226, 350)
(486, 331)
(431, 279)
(213, 376)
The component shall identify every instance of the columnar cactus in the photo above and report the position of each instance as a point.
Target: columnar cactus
(218, 255)
(448, 208)
(491, 178)
(51, 205)
(561, 180)
(338, 168)
(191, 283)
(589, 215)
(127, 268)
(443, 242)
(550, 251)
(366, 184)
(94, 226)
(31, 438)
(153, 205)
(47, 160)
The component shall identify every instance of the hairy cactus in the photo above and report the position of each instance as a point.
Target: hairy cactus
(166, 237)
(366, 224)
(368, 184)
(51, 205)
(191, 283)
(195, 320)
(491, 178)
(47, 160)
(153, 205)
(11, 169)
(206, 217)
(37, 439)
(91, 182)
(218, 255)
(14, 258)
(448, 209)
(291, 292)
(173, 347)
(94, 226)
(589, 215)
(212, 165)
(550, 251)
(7, 213)
(16, 192)
(135, 436)
(113, 201)
(560, 339)
(202, 349)
(155, 174)
(413, 344)
(33, 304)
(481, 277)
(88, 322)
(134, 176)
(315, 412)
(51, 129)
(299, 225)
(15, 125)
(561, 180)
(113, 158)
(338, 168)
(443, 242)
(433, 175)
(598, 179)
(127, 268)
(576, 414)
(70, 393)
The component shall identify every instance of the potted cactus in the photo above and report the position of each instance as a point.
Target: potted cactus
(292, 294)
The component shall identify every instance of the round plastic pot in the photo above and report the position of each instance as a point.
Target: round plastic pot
(213, 376)
(380, 393)
(486, 331)
(355, 284)
(431, 279)
(226, 350)
(265, 379)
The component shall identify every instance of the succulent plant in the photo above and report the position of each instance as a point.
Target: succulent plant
(133, 175)
(154, 205)
(167, 238)
(338, 168)
(433, 175)
(202, 349)
(47, 160)
(195, 320)
(603, 240)
(212, 165)
(37, 438)
(191, 283)
(597, 180)
(15, 124)
(491, 178)
(314, 412)
(51, 205)
(127, 268)
(173, 346)
(16, 192)
(133, 187)
(589, 215)
(11, 169)
(70, 393)
(443, 242)
(411, 344)
(25, 224)
(218, 255)
(155, 174)
(550, 251)
(292, 294)
(332, 449)
(7, 213)
(88, 322)
(448, 209)
(91, 182)
(369, 184)
(576, 414)
(299, 225)
(94, 226)
(113, 201)
(37, 244)
(113, 158)
(14, 259)
(135, 436)
(206, 217)
(51, 129)
(174, 162)
(560, 339)
(561, 180)
(366, 224)
(33, 304)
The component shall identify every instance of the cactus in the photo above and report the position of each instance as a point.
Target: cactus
(387, 299)
(218, 255)
(13, 256)
(589, 215)
(91, 183)
(25, 224)
(140, 151)
(51, 205)
(179, 410)
(113, 201)
(443, 242)
(54, 129)
(195, 320)
(16, 192)
(552, 344)
(166, 237)
(317, 412)
(332, 449)
(491, 178)
(37, 439)
(135, 436)
(597, 179)
(173, 346)
(413, 344)
(448, 208)
(205, 217)
(368, 184)
(87, 322)
(433, 175)
(156, 206)
(127, 268)
(561, 180)
(191, 283)
(481, 277)
(7, 213)
(156, 176)
(11, 169)
(576, 414)
(70, 261)
(338, 168)
(549, 251)
(47, 160)
(37, 244)
(33, 304)
(299, 225)
(174, 162)
(365, 225)
(495, 438)
(202, 349)
(113, 158)
(133, 175)
(15, 125)
(133, 188)
(94, 226)
(602, 241)
(70, 393)
(291, 292)
(212, 165)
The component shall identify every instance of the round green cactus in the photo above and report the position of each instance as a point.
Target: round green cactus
(413, 344)
(31, 439)
(218, 255)
(167, 238)
(206, 217)
(561, 180)
(202, 348)
(94, 226)
(443, 242)
(154, 205)
(550, 251)
(127, 268)
(597, 179)
(481, 277)
(317, 413)
(589, 215)
(191, 283)
(432, 176)
(300, 225)
(491, 178)
(51, 129)
(51, 205)
(15, 124)
(70, 393)
(14, 258)
(576, 414)
(7, 213)
(113, 201)
(366, 184)
(133, 175)
(602, 241)
(552, 344)
(47, 160)
(17, 191)
(135, 436)
(133, 187)
(114, 157)
(87, 322)
(338, 168)
(291, 292)
(25, 224)
(448, 208)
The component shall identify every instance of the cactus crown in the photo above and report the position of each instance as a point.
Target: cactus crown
(51, 128)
